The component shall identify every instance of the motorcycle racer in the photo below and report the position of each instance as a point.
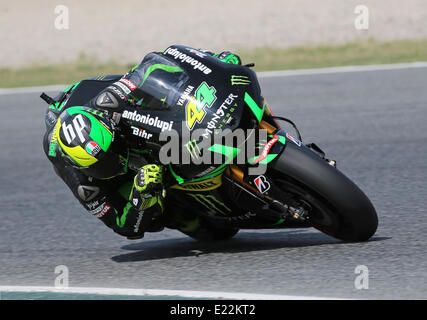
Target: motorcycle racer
(89, 156)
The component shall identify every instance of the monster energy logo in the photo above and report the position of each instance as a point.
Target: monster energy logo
(211, 202)
(193, 149)
(240, 80)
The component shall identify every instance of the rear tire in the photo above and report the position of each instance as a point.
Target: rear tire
(337, 206)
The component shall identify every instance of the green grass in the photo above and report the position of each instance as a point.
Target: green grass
(64, 73)
(357, 53)
(265, 58)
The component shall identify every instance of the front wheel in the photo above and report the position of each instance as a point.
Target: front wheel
(335, 205)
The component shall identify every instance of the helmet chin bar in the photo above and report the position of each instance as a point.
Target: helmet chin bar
(109, 166)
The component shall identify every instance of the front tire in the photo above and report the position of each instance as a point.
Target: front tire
(337, 206)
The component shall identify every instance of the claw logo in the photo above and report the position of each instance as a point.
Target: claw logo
(262, 184)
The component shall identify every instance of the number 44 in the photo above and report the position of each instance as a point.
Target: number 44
(195, 110)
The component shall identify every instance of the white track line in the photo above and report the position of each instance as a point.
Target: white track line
(160, 293)
(379, 67)
(265, 74)
(56, 87)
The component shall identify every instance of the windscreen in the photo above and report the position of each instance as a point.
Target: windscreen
(159, 81)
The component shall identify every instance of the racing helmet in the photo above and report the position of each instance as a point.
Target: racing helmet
(85, 137)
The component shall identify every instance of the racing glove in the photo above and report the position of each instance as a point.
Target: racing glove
(147, 184)
(146, 204)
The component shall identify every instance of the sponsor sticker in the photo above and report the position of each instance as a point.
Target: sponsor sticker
(267, 148)
(210, 202)
(148, 120)
(73, 129)
(104, 210)
(125, 89)
(195, 110)
(185, 96)
(118, 92)
(52, 146)
(205, 185)
(196, 64)
(93, 148)
(116, 117)
(141, 133)
(193, 149)
(128, 83)
(296, 141)
(138, 222)
(240, 80)
(92, 205)
(219, 115)
(205, 172)
(262, 184)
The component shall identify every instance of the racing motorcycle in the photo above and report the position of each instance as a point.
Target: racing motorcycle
(185, 90)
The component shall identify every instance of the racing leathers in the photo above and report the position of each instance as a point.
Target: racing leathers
(129, 204)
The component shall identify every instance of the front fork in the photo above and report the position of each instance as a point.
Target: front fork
(261, 187)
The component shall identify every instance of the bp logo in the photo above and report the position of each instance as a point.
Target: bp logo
(93, 148)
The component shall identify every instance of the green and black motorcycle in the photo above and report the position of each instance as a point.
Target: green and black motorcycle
(185, 90)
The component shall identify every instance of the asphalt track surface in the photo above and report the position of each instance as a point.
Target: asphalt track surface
(373, 123)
